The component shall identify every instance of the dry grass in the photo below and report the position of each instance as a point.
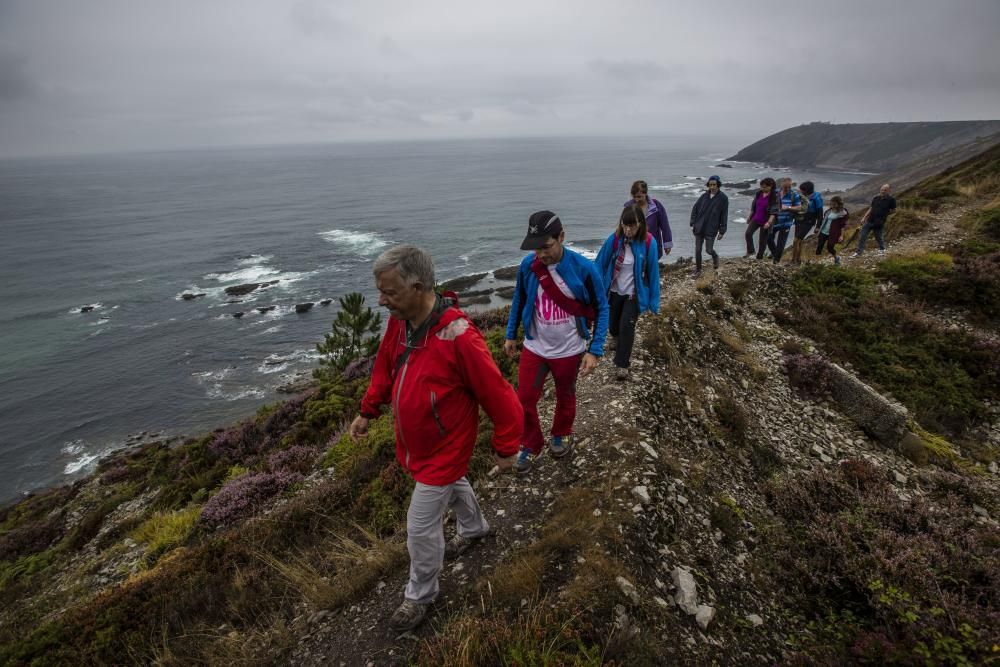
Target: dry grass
(355, 564)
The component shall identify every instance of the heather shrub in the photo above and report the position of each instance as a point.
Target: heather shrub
(31, 536)
(297, 458)
(244, 496)
(488, 320)
(808, 373)
(876, 578)
(359, 369)
(238, 443)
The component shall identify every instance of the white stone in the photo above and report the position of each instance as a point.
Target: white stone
(642, 494)
(899, 477)
(687, 590)
(660, 601)
(627, 589)
(755, 620)
(649, 450)
(704, 615)
(681, 500)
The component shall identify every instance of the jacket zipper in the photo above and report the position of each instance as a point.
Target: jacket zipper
(434, 410)
(399, 424)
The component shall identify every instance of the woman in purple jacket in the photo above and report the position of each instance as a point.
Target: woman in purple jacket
(657, 223)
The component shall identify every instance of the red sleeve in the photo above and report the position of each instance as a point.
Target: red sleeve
(380, 390)
(481, 375)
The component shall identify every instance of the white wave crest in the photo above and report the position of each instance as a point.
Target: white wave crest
(362, 243)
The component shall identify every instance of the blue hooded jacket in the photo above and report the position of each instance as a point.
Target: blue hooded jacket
(647, 271)
(583, 280)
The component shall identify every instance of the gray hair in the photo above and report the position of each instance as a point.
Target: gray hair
(414, 264)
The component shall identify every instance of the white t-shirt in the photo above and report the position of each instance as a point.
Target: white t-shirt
(554, 333)
(625, 280)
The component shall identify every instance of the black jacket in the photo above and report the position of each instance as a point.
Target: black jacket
(709, 215)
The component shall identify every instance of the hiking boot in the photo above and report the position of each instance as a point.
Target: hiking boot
(611, 344)
(881, 253)
(560, 445)
(524, 461)
(459, 544)
(836, 261)
(621, 375)
(696, 274)
(857, 254)
(408, 616)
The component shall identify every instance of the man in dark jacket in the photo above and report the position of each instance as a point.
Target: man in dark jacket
(433, 366)
(708, 222)
(874, 219)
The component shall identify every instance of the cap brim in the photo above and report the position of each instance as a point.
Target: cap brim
(533, 242)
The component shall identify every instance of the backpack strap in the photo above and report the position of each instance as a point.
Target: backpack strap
(413, 337)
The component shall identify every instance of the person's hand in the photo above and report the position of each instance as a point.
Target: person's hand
(666, 251)
(719, 237)
(504, 463)
(359, 428)
(590, 362)
(510, 348)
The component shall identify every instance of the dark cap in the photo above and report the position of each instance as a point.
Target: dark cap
(542, 226)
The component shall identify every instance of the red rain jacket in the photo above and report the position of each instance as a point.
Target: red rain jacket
(436, 396)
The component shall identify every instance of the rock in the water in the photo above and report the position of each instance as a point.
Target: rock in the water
(704, 615)
(506, 292)
(506, 273)
(238, 314)
(265, 309)
(86, 309)
(189, 296)
(246, 288)
(723, 165)
(462, 282)
(303, 307)
(687, 590)
(326, 302)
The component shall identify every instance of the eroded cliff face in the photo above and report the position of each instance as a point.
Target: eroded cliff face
(871, 147)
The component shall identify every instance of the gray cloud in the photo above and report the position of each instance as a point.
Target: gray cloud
(115, 74)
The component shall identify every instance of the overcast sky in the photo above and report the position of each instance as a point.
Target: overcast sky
(100, 75)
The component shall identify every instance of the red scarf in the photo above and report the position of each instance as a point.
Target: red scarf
(570, 305)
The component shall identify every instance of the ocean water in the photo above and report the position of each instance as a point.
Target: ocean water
(128, 234)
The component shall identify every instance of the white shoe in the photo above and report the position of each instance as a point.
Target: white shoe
(881, 253)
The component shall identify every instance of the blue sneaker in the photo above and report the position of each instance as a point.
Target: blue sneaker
(524, 461)
(560, 445)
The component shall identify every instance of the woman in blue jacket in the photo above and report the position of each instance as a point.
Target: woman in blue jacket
(629, 267)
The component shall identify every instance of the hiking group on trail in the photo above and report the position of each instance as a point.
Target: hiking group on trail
(435, 370)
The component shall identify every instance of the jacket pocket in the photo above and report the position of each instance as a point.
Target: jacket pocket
(434, 411)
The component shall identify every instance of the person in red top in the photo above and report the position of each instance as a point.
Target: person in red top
(434, 368)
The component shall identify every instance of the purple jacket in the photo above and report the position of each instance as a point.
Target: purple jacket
(657, 224)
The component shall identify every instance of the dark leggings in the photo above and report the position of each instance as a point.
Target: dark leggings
(621, 325)
(709, 242)
(776, 240)
(830, 244)
(754, 228)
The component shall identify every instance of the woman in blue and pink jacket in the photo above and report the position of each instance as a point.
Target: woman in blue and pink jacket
(655, 213)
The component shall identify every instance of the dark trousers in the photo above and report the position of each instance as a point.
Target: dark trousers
(867, 229)
(776, 240)
(754, 228)
(825, 240)
(709, 243)
(624, 312)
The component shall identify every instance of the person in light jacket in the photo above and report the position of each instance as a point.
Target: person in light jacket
(657, 222)
(630, 270)
(708, 222)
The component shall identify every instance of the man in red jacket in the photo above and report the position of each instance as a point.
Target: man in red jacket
(433, 366)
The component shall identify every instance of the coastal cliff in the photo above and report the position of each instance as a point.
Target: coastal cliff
(869, 147)
(802, 470)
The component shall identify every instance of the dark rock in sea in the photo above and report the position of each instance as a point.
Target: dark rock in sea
(265, 309)
(86, 309)
(747, 193)
(296, 386)
(238, 314)
(741, 185)
(479, 300)
(463, 282)
(506, 292)
(235, 301)
(326, 302)
(240, 290)
(303, 307)
(724, 166)
(480, 292)
(190, 296)
(506, 273)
